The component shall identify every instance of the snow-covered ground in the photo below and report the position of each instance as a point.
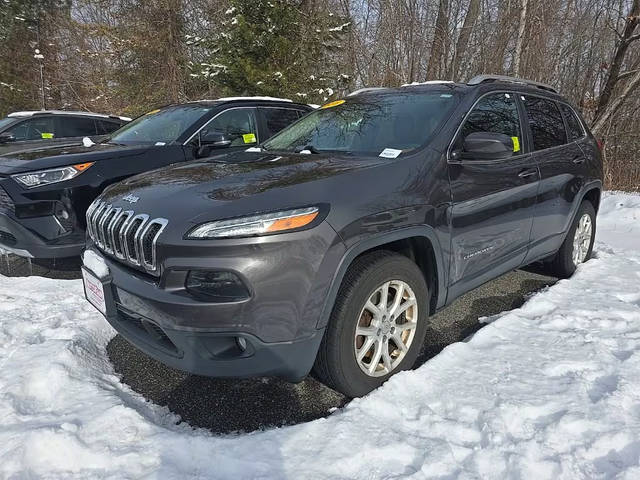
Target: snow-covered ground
(550, 390)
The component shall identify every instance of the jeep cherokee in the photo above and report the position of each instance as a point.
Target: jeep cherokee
(329, 247)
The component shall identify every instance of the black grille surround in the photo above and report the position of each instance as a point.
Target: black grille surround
(124, 234)
(6, 202)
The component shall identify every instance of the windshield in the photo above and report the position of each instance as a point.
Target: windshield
(368, 125)
(6, 121)
(160, 126)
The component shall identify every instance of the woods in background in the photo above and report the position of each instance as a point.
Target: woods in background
(128, 56)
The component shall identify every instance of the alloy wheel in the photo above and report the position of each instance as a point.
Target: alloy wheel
(582, 239)
(386, 328)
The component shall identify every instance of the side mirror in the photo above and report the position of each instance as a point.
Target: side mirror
(214, 139)
(6, 137)
(486, 146)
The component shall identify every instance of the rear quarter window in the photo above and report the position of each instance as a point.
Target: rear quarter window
(574, 126)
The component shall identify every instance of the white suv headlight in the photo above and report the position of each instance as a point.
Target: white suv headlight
(53, 175)
(256, 225)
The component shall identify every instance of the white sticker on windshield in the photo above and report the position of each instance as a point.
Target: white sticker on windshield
(253, 149)
(390, 153)
(160, 144)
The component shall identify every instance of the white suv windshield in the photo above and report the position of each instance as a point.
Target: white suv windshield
(161, 126)
(369, 124)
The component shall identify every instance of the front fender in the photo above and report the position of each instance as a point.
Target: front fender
(376, 242)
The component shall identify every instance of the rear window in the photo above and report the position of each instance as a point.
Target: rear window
(545, 120)
(392, 123)
(574, 127)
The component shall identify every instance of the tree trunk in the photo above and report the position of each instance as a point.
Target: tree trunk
(614, 106)
(517, 56)
(628, 37)
(463, 39)
(437, 47)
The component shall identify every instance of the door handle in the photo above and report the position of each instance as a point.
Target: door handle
(579, 159)
(528, 173)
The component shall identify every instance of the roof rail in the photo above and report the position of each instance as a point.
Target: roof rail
(477, 80)
(367, 89)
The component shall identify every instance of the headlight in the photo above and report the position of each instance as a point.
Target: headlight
(256, 224)
(54, 175)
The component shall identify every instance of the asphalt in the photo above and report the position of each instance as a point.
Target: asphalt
(225, 406)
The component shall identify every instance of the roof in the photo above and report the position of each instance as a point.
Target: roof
(31, 113)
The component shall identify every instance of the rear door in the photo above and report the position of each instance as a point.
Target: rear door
(493, 201)
(555, 139)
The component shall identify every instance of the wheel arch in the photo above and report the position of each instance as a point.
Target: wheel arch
(420, 244)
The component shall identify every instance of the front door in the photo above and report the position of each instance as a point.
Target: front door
(493, 201)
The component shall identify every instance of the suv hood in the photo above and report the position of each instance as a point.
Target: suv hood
(59, 155)
(232, 182)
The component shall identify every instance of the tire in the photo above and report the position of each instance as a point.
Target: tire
(563, 264)
(336, 364)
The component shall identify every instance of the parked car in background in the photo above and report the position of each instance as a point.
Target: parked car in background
(44, 193)
(332, 245)
(34, 129)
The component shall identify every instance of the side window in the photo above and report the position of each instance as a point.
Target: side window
(238, 124)
(495, 113)
(276, 119)
(105, 127)
(545, 120)
(574, 126)
(76, 126)
(34, 129)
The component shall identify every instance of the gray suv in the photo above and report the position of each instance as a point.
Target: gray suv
(331, 245)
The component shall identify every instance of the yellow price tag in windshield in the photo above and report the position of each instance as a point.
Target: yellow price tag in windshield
(46, 135)
(249, 138)
(516, 144)
(333, 104)
(153, 112)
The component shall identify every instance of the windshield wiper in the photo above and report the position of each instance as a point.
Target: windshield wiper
(309, 147)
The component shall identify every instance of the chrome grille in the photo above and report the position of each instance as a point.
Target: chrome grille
(124, 234)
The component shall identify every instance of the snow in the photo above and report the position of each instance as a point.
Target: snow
(95, 263)
(548, 390)
(30, 113)
(232, 99)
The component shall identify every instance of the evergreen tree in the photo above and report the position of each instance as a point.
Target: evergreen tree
(281, 48)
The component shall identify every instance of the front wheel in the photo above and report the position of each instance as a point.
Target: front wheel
(578, 246)
(377, 326)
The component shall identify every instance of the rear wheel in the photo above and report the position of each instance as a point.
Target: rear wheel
(377, 325)
(578, 246)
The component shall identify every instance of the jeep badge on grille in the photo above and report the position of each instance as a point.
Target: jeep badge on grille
(131, 198)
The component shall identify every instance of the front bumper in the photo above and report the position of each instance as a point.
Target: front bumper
(18, 239)
(274, 332)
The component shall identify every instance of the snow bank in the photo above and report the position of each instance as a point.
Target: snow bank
(549, 390)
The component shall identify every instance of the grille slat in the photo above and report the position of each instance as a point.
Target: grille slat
(128, 236)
